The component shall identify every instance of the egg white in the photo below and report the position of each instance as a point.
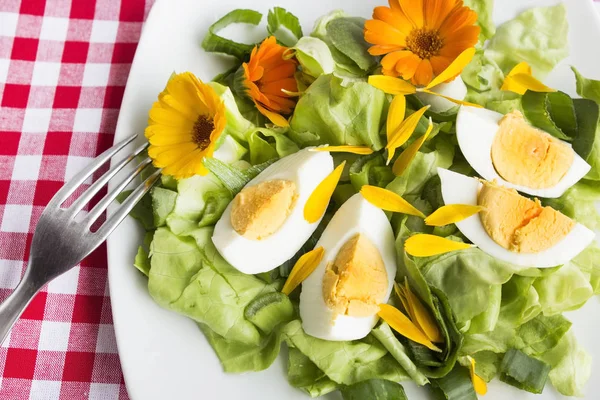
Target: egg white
(356, 215)
(461, 189)
(306, 169)
(476, 129)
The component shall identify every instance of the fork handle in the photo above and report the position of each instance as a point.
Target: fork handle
(14, 305)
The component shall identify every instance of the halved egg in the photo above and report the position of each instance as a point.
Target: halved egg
(264, 225)
(340, 299)
(515, 154)
(514, 228)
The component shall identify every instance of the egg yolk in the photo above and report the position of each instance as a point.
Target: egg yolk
(527, 156)
(356, 282)
(259, 211)
(518, 223)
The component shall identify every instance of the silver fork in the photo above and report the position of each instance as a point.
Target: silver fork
(60, 241)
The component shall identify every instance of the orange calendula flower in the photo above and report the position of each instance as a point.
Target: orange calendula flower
(420, 38)
(184, 125)
(269, 78)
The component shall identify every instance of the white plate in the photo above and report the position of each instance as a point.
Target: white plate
(164, 355)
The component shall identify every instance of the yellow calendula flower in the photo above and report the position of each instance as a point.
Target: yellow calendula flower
(269, 80)
(420, 38)
(184, 125)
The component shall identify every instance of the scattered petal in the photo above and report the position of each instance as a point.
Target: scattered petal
(479, 384)
(363, 150)
(392, 85)
(396, 115)
(401, 324)
(400, 293)
(425, 245)
(455, 101)
(454, 69)
(404, 132)
(422, 317)
(302, 269)
(388, 200)
(451, 214)
(319, 199)
(520, 79)
(410, 152)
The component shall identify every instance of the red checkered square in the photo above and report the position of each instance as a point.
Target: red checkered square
(6, 166)
(16, 250)
(49, 365)
(57, 143)
(118, 74)
(4, 185)
(21, 192)
(92, 97)
(50, 50)
(80, 29)
(20, 72)
(25, 334)
(62, 120)
(109, 124)
(83, 337)
(123, 53)
(75, 52)
(41, 96)
(53, 168)
(59, 8)
(133, 11)
(33, 7)
(44, 191)
(92, 281)
(129, 32)
(59, 307)
(31, 144)
(11, 119)
(15, 388)
(78, 367)
(83, 144)
(35, 309)
(6, 44)
(83, 9)
(100, 52)
(87, 309)
(29, 26)
(67, 97)
(10, 143)
(106, 368)
(10, 5)
(24, 49)
(73, 390)
(15, 95)
(114, 96)
(20, 363)
(71, 74)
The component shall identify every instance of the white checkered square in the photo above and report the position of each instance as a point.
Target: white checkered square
(87, 120)
(107, 343)
(8, 24)
(74, 165)
(103, 391)
(54, 29)
(45, 73)
(16, 218)
(104, 31)
(65, 283)
(4, 64)
(96, 74)
(37, 120)
(26, 168)
(10, 273)
(54, 336)
(44, 390)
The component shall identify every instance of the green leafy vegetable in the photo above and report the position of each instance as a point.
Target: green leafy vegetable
(267, 144)
(305, 375)
(142, 261)
(314, 56)
(456, 385)
(232, 178)
(524, 372)
(338, 114)
(280, 18)
(484, 10)
(217, 44)
(374, 389)
(590, 89)
(269, 310)
(347, 35)
(237, 125)
(587, 123)
(537, 105)
(566, 289)
(163, 202)
(142, 211)
(579, 203)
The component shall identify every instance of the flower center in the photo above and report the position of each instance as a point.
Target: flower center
(424, 42)
(202, 130)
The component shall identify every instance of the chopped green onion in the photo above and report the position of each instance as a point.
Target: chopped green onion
(374, 389)
(457, 385)
(279, 17)
(218, 44)
(524, 372)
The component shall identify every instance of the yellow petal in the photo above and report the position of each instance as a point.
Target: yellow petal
(395, 115)
(400, 293)
(410, 152)
(422, 317)
(455, 101)
(521, 82)
(388, 200)
(401, 324)
(272, 116)
(404, 132)
(520, 68)
(392, 85)
(478, 383)
(363, 150)
(451, 214)
(302, 269)
(424, 245)
(319, 199)
(455, 68)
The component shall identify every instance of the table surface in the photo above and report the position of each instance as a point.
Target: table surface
(63, 69)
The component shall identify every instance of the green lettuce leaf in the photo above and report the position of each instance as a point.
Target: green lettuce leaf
(142, 261)
(374, 389)
(537, 36)
(484, 10)
(347, 35)
(566, 289)
(588, 262)
(214, 43)
(579, 202)
(163, 202)
(267, 144)
(338, 114)
(314, 56)
(590, 89)
(279, 19)
(237, 125)
(142, 211)
(305, 375)
(346, 362)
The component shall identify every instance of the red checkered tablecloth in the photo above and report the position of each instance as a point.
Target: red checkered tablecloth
(63, 69)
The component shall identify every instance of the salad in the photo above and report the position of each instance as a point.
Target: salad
(394, 199)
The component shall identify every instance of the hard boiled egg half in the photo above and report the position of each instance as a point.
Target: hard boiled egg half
(515, 154)
(514, 228)
(264, 225)
(340, 299)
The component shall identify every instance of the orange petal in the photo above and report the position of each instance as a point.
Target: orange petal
(405, 158)
(388, 200)
(425, 245)
(379, 32)
(319, 199)
(381, 49)
(424, 73)
(272, 116)
(436, 11)
(457, 19)
(413, 9)
(390, 60)
(454, 69)
(305, 266)
(408, 67)
(439, 64)
(396, 19)
(401, 324)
